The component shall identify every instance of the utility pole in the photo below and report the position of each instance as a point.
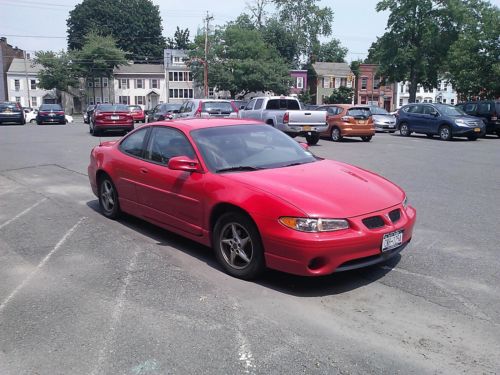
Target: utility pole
(205, 65)
(27, 79)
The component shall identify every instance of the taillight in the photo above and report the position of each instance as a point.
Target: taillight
(60, 113)
(286, 118)
(346, 118)
(43, 113)
(198, 111)
(98, 115)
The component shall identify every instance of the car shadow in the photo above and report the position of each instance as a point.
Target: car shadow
(299, 286)
(434, 138)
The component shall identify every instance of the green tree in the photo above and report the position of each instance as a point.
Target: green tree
(473, 60)
(306, 22)
(180, 39)
(332, 51)
(58, 71)
(276, 34)
(240, 61)
(136, 26)
(414, 48)
(342, 95)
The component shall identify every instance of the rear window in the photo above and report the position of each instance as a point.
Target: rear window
(11, 106)
(170, 107)
(112, 107)
(282, 104)
(217, 107)
(134, 107)
(49, 107)
(359, 112)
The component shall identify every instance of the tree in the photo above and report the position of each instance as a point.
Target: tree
(342, 95)
(58, 71)
(135, 25)
(240, 61)
(331, 51)
(258, 12)
(180, 40)
(415, 46)
(277, 35)
(306, 22)
(473, 60)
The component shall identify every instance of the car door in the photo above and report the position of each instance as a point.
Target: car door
(413, 117)
(248, 112)
(429, 122)
(171, 197)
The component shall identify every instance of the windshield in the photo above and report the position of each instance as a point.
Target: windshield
(49, 107)
(217, 107)
(378, 111)
(449, 110)
(112, 108)
(248, 146)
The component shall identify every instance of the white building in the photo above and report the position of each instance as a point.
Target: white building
(179, 78)
(444, 93)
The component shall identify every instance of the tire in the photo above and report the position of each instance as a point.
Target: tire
(445, 133)
(430, 135)
(312, 139)
(336, 135)
(472, 137)
(404, 130)
(270, 122)
(235, 234)
(367, 138)
(108, 198)
(498, 133)
(32, 121)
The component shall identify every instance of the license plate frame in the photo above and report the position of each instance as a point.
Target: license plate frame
(392, 240)
(307, 128)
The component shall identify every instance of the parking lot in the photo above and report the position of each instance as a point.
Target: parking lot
(80, 294)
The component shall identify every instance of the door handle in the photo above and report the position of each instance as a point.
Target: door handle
(144, 170)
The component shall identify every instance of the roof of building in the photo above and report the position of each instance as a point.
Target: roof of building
(140, 69)
(329, 68)
(18, 66)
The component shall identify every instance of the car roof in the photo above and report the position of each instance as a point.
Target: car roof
(197, 123)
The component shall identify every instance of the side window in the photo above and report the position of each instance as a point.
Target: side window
(484, 108)
(415, 109)
(250, 104)
(134, 143)
(332, 111)
(165, 143)
(258, 104)
(470, 107)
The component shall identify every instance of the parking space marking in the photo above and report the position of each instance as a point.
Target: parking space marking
(40, 265)
(22, 213)
(244, 353)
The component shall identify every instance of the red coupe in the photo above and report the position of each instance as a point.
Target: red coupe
(111, 117)
(137, 113)
(253, 194)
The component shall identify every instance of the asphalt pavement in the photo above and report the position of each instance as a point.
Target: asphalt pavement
(81, 294)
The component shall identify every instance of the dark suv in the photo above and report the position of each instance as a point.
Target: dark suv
(487, 110)
(444, 120)
(163, 111)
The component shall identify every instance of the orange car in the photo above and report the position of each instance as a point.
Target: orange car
(347, 120)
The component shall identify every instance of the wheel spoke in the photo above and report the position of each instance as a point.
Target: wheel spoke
(244, 241)
(232, 257)
(226, 241)
(236, 236)
(243, 256)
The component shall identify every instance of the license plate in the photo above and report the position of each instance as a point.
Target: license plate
(477, 130)
(361, 122)
(392, 240)
(115, 117)
(306, 128)
(52, 114)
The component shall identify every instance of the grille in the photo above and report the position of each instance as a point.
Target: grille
(395, 215)
(373, 222)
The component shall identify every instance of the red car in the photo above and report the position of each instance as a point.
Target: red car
(111, 117)
(253, 194)
(137, 113)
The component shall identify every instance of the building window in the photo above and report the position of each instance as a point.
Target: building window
(181, 93)
(34, 102)
(326, 82)
(89, 83)
(300, 83)
(444, 101)
(98, 99)
(18, 99)
(104, 82)
(97, 82)
(400, 102)
(33, 84)
(139, 84)
(402, 88)
(140, 100)
(105, 100)
(376, 83)
(180, 76)
(155, 84)
(17, 85)
(123, 83)
(177, 60)
(343, 82)
(91, 101)
(364, 83)
(363, 100)
(452, 101)
(124, 99)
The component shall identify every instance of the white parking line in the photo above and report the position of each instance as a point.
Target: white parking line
(40, 265)
(244, 352)
(22, 213)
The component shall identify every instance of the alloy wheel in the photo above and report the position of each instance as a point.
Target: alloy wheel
(236, 245)
(404, 130)
(336, 134)
(108, 198)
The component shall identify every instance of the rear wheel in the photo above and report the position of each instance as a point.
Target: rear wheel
(312, 138)
(367, 138)
(445, 133)
(108, 198)
(404, 130)
(336, 135)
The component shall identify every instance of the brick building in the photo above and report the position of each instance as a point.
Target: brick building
(371, 90)
(7, 54)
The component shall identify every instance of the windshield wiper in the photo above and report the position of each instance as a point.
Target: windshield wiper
(238, 168)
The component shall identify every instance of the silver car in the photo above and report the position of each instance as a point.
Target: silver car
(383, 120)
(208, 108)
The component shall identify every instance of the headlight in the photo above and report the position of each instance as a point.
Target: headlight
(461, 122)
(314, 225)
(405, 202)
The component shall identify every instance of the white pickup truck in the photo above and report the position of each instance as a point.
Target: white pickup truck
(284, 113)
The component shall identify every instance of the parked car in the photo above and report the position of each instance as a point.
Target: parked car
(346, 120)
(11, 112)
(239, 104)
(284, 113)
(87, 114)
(137, 113)
(382, 119)
(444, 120)
(50, 114)
(487, 110)
(163, 111)
(208, 108)
(69, 119)
(310, 107)
(111, 117)
(265, 205)
(30, 114)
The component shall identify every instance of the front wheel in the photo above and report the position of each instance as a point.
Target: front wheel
(445, 133)
(312, 138)
(367, 138)
(108, 198)
(404, 130)
(238, 246)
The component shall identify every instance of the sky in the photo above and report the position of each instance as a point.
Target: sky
(41, 24)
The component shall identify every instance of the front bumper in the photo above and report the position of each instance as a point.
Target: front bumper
(317, 254)
(384, 126)
(462, 131)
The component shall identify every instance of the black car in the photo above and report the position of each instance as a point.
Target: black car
(487, 110)
(87, 114)
(163, 111)
(11, 112)
(50, 114)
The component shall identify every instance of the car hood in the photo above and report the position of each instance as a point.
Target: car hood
(325, 188)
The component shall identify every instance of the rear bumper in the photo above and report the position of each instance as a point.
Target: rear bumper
(51, 119)
(353, 132)
(19, 118)
(114, 125)
(302, 129)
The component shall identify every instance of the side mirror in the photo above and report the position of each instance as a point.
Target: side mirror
(304, 145)
(184, 163)
(242, 107)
